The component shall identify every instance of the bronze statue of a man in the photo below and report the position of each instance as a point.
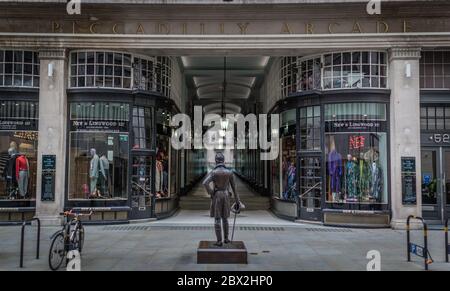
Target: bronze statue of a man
(222, 178)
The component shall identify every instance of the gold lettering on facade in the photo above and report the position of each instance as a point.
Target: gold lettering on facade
(140, 29)
(331, 27)
(286, 28)
(243, 27)
(406, 26)
(74, 27)
(202, 28)
(184, 28)
(222, 28)
(383, 24)
(114, 28)
(357, 28)
(56, 27)
(93, 28)
(309, 28)
(163, 28)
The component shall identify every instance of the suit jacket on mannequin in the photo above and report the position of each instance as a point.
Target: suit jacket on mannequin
(94, 169)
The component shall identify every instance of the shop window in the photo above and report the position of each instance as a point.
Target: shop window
(275, 171)
(142, 128)
(18, 150)
(98, 151)
(162, 154)
(310, 128)
(289, 190)
(19, 69)
(356, 153)
(173, 172)
(435, 70)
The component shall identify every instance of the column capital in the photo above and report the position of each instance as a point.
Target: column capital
(405, 53)
(52, 54)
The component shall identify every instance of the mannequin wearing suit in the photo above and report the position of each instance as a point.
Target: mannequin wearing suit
(94, 171)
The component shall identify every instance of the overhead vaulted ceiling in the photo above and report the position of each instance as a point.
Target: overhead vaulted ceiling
(206, 75)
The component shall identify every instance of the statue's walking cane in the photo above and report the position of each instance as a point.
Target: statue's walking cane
(234, 224)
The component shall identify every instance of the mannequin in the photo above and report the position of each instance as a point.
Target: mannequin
(364, 175)
(350, 178)
(94, 171)
(335, 171)
(377, 179)
(159, 175)
(165, 163)
(22, 174)
(104, 169)
(10, 173)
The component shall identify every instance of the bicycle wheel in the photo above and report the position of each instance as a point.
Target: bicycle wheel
(80, 238)
(57, 252)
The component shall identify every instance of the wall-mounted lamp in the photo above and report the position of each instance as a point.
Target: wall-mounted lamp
(408, 71)
(50, 70)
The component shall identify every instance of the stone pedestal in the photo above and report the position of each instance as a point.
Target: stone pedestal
(233, 253)
(404, 82)
(52, 130)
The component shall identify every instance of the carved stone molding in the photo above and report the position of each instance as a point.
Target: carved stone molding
(405, 53)
(52, 54)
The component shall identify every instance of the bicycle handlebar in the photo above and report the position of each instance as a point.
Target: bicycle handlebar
(71, 213)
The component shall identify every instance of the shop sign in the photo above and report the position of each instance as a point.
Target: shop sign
(409, 189)
(19, 124)
(99, 125)
(417, 250)
(48, 177)
(355, 126)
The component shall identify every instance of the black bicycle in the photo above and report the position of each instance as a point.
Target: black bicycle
(69, 238)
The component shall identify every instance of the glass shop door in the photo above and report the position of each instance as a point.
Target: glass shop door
(141, 186)
(310, 186)
(435, 183)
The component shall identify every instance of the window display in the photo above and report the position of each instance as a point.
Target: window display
(356, 153)
(173, 172)
(162, 154)
(18, 150)
(289, 156)
(276, 177)
(98, 151)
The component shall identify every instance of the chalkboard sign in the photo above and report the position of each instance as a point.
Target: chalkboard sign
(48, 177)
(409, 176)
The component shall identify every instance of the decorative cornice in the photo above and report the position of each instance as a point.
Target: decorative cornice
(52, 54)
(274, 45)
(405, 53)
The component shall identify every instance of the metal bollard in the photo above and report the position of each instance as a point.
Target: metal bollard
(22, 239)
(447, 247)
(427, 260)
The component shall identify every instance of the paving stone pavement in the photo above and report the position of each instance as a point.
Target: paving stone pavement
(171, 246)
